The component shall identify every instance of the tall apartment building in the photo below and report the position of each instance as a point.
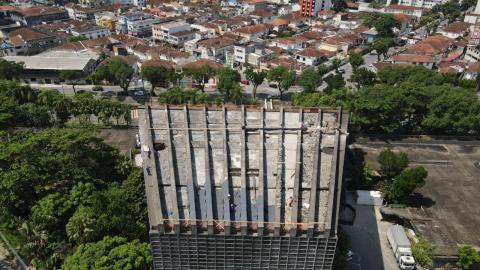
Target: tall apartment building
(421, 3)
(242, 188)
(310, 8)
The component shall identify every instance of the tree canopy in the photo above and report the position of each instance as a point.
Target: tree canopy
(284, 78)
(117, 71)
(10, 70)
(156, 75)
(52, 184)
(201, 75)
(256, 78)
(228, 79)
(383, 23)
(310, 80)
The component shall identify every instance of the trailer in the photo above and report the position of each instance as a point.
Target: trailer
(401, 247)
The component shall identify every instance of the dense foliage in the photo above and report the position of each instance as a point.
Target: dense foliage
(422, 251)
(399, 182)
(467, 256)
(23, 106)
(179, 95)
(53, 183)
(406, 100)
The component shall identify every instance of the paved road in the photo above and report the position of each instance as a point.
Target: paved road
(368, 239)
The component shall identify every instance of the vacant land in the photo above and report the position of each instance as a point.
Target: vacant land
(449, 202)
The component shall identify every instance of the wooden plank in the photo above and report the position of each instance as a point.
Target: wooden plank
(191, 185)
(279, 179)
(208, 180)
(296, 186)
(171, 176)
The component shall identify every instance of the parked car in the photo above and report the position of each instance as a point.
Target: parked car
(273, 85)
(139, 93)
(97, 88)
(341, 71)
(245, 82)
(273, 97)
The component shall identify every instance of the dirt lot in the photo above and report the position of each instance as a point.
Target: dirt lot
(451, 196)
(122, 139)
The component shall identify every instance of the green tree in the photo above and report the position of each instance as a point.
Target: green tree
(381, 46)
(392, 164)
(284, 78)
(156, 75)
(339, 5)
(236, 94)
(403, 185)
(363, 77)
(109, 254)
(228, 79)
(336, 64)
(322, 70)
(356, 60)
(453, 112)
(467, 256)
(201, 75)
(334, 82)
(117, 71)
(423, 252)
(72, 77)
(310, 80)
(383, 23)
(76, 38)
(83, 227)
(256, 78)
(10, 70)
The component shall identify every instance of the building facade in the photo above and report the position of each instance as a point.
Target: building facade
(309, 8)
(421, 3)
(242, 188)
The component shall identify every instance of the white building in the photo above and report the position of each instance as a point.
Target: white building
(137, 24)
(421, 3)
(473, 17)
(176, 32)
(310, 57)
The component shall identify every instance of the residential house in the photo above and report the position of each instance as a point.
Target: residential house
(206, 30)
(214, 49)
(341, 44)
(254, 31)
(347, 21)
(471, 71)
(289, 43)
(407, 10)
(175, 32)
(252, 5)
(310, 56)
(455, 30)
(279, 24)
(261, 16)
(106, 19)
(177, 57)
(438, 46)
(85, 29)
(427, 61)
(77, 12)
(27, 41)
(38, 14)
(136, 24)
(369, 34)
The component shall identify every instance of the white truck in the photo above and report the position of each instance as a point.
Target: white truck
(401, 247)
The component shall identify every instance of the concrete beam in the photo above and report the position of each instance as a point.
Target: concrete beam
(171, 175)
(296, 187)
(191, 185)
(333, 177)
(155, 208)
(227, 197)
(279, 181)
(315, 178)
(208, 180)
(243, 191)
(261, 178)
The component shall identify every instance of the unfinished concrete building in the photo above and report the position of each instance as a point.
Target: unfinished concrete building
(243, 187)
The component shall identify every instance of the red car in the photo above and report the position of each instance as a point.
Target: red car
(245, 82)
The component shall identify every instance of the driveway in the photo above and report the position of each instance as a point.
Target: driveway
(368, 239)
